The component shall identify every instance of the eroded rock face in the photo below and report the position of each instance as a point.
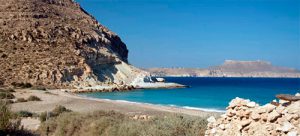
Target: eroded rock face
(246, 118)
(55, 43)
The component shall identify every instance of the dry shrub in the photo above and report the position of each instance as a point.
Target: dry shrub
(10, 124)
(21, 85)
(6, 95)
(7, 90)
(117, 124)
(24, 114)
(21, 100)
(55, 112)
(33, 98)
(5, 116)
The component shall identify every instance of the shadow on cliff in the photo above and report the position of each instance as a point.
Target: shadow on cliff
(105, 72)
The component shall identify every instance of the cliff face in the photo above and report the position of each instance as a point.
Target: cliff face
(55, 43)
(230, 68)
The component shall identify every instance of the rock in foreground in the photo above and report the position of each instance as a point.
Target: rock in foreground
(246, 118)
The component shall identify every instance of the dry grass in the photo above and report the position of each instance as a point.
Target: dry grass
(55, 112)
(10, 123)
(21, 100)
(6, 95)
(117, 124)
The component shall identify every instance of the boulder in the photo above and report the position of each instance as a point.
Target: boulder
(292, 133)
(244, 117)
(211, 119)
(273, 116)
(286, 127)
(251, 104)
(255, 116)
(288, 97)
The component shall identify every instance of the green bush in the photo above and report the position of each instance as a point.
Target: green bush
(24, 114)
(6, 95)
(117, 124)
(43, 116)
(21, 100)
(33, 98)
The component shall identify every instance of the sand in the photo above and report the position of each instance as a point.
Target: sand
(52, 98)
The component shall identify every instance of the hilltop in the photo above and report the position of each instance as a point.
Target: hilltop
(230, 68)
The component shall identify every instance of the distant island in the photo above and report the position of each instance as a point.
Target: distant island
(230, 68)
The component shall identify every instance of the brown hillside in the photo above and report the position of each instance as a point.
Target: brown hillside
(55, 43)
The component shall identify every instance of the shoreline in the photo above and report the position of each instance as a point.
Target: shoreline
(157, 105)
(83, 104)
(123, 88)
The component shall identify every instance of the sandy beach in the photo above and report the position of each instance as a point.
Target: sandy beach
(52, 98)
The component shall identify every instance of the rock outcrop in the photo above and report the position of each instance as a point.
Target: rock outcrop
(55, 43)
(246, 118)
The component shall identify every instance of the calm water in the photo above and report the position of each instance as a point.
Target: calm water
(209, 93)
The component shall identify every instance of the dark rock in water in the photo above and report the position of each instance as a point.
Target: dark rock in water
(288, 97)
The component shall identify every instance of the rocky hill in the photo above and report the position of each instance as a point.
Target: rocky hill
(55, 43)
(230, 68)
(251, 66)
(246, 118)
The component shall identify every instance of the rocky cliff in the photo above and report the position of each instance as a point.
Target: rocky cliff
(247, 118)
(55, 43)
(230, 68)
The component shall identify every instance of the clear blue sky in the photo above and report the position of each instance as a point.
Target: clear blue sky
(186, 33)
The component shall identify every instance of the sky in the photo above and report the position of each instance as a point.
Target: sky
(203, 33)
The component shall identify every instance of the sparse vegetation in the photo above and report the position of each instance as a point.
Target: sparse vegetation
(46, 92)
(59, 109)
(6, 95)
(5, 116)
(21, 85)
(7, 90)
(8, 101)
(33, 98)
(21, 100)
(117, 124)
(24, 114)
(9, 123)
(55, 112)
(43, 116)
(39, 88)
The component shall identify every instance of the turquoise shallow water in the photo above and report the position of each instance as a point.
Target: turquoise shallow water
(209, 93)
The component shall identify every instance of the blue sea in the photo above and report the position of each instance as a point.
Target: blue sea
(211, 94)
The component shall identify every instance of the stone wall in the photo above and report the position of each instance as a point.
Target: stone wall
(247, 118)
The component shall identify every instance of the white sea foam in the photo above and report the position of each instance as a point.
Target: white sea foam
(203, 109)
(196, 108)
(168, 105)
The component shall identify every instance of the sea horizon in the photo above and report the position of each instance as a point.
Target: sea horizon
(207, 93)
